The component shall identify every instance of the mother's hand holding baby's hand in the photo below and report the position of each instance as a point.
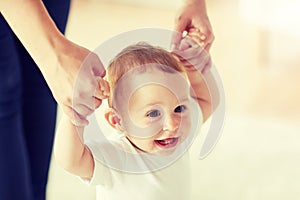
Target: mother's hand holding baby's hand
(74, 81)
(193, 15)
(191, 53)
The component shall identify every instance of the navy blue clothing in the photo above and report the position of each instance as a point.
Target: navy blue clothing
(27, 115)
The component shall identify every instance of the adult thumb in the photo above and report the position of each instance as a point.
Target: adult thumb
(180, 27)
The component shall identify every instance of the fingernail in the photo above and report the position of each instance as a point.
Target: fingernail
(202, 37)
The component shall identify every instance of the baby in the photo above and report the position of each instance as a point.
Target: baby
(150, 93)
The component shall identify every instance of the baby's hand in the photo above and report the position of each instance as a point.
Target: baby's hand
(191, 54)
(104, 90)
(197, 36)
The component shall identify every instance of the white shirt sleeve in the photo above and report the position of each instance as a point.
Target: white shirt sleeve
(101, 173)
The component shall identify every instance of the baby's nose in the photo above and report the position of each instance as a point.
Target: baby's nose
(171, 123)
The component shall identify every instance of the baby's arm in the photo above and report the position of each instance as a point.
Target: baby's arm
(201, 91)
(69, 149)
(197, 63)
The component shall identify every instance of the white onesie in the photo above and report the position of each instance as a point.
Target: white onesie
(168, 183)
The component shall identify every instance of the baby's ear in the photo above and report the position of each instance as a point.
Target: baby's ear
(113, 119)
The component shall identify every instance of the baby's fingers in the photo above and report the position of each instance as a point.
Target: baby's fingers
(105, 87)
(102, 90)
(205, 39)
(193, 50)
(197, 37)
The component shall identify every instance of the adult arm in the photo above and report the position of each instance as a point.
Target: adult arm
(58, 59)
(193, 14)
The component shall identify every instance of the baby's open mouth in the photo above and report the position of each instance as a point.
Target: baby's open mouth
(167, 143)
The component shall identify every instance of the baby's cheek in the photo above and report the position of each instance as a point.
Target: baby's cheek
(147, 145)
(185, 128)
(185, 124)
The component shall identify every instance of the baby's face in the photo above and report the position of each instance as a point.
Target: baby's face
(153, 106)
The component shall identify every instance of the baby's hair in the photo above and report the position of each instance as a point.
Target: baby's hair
(137, 55)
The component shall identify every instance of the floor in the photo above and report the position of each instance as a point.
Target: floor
(258, 155)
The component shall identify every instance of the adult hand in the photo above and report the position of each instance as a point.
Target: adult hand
(71, 71)
(193, 15)
(74, 81)
(191, 53)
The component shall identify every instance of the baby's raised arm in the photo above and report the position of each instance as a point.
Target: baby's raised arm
(197, 63)
(69, 149)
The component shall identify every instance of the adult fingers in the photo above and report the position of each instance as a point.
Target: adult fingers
(181, 25)
(94, 62)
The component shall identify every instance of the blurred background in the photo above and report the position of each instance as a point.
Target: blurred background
(257, 54)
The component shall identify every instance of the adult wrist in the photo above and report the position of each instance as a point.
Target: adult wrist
(198, 3)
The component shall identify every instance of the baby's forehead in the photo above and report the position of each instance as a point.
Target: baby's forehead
(176, 82)
(138, 77)
(155, 96)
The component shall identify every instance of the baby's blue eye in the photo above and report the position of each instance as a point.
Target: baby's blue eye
(180, 108)
(153, 113)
